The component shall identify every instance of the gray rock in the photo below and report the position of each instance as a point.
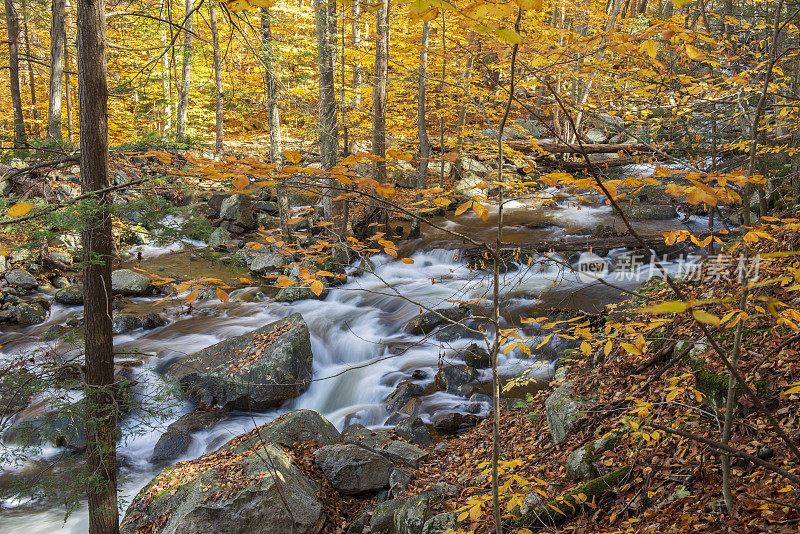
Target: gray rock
(595, 135)
(456, 379)
(238, 209)
(448, 422)
(232, 491)
(648, 212)
(30, 313)
(170, 446)
(352, 469)
(580, 463)
(127, 322)
(21, 279)
(427, 322)
(70, 295)
(414, 430)
(258, 370)
(130, 283)
(383, 517)
(404, 392)
(296, 292)
(477, 358)
(366, 266)
(399, 452)
(220, 237)
(398, 481)
(268, 262)
(299, 426)
(561, 410)
(58, 422)
(440, 522)
(198, 420)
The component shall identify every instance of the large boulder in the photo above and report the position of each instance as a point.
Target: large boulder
(236, 490)
(414, 430)
(21, 279)
(238, 210)
(299, 426)
(71, 295)
(268, 262)
(399, 452)
(297, 292)
(219, 238)
(352, 469)
(177, 440)
(258, 370)
(643, 211)
(130, 283)
(561, 411)
(30, 313)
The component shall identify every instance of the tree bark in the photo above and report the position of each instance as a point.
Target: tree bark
(325, 19)
(12, 22)
(274, 120)
(58, 38)
(219, 147)
(422, 125)
(356, 41)
(379, 90)
(166, 72)
(31, 76)
(186, 74)
(98, 247)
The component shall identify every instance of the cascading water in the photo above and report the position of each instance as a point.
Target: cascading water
(360, 351)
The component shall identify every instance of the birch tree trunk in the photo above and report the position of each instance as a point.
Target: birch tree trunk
(58, 38)
(166, 71)
(218, 122)
(186, 74)
(422, 125)
(98, 246)
(31, 76)
(12, 22)
(379, 90)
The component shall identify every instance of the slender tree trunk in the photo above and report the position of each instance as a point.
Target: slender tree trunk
(218, 123)
(422, 126)
(274, 119)
(442, 91)
(325, 19)
(58, 38)
(31, 75)
(356, 41)
(12, 22)
(68, 89)
(166, 71)
(186, 74)
(98, 246)
(379, 90)
(462, 109)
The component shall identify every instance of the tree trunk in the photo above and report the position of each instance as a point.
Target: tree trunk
(12, 22)
(422, 126)
(98, 247)
(325, 18)
(356, 40)
(58, 38)
(274, 120)
(68, 88)
(379, 90)
(166, 72)
(218, 146)
(31, 76)
(186, 73)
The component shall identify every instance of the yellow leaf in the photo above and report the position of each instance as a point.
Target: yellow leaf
(442, 201)
(475, 512)
(409, 261)
(222, 296)
(631, 348)
(241, 181)
(586, 348)
(509, 35)
(694, 53)
(317, 287)
(481, 210)
(530, 4)
(705, 317)
(649, 47)
(463, 207)
(19, 209)
(191, 297)
(672, 306)
(292, 156)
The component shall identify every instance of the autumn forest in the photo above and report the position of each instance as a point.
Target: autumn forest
(407, 267)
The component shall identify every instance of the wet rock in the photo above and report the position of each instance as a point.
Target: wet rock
(456, 379)
(399, 452)
(28, 313)
(448, 422)
(256, 500)
(604, 230)
(352, 469)
(258, 370)
(427, 322)
(198, 420)
(404, 392)
(268, 262)
(365, 266)
(639, 211)
(21, 279)
(441, 522)
(238, 210)
(70, 295)
(59, 422)
(219, 238)
(296, 292)
(414, 430)
(171, 446)
(561, 410)
(130, 283)
(477, 358)
(126, 322)
(299, 426)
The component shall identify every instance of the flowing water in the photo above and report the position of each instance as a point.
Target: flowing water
(360, 349)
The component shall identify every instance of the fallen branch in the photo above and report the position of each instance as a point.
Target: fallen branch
(566, 148)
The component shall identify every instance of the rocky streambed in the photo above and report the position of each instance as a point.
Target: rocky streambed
(360, 356)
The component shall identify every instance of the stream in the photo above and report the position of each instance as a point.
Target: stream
(360, 349)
